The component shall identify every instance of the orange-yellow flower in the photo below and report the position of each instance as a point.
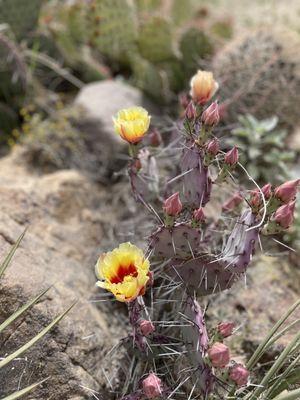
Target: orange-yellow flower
(132, 123)
(123, 271)
(203, 87)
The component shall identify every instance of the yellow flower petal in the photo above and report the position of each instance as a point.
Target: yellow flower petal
(132, 123)
(123, 271)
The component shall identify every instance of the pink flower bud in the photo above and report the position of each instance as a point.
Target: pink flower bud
(225, 329)
(232, 156)
(219, 355)
(198, 215)
(184, 100)
(172, 205)
(267, 190)
(190, 111)
(233, 202)
(284, 215)
(210, 116)
(287, 191)
(256, 197)
(146, 327)
(213, 147)
(239, 374)
(152, 386)
(154, 138)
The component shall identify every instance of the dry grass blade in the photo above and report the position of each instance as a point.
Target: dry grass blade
(20, 393)
(21, 310)
(36, 338)
(10, 255)
(264, 344)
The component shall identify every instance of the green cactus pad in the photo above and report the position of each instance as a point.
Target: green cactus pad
(195, 46)
(155, 40)
(113, 29)
(21, 15)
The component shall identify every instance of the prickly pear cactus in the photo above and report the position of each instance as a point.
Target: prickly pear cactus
(155, 40)
(113, 28)
(21, 15)
(192, 254)
(195, 47)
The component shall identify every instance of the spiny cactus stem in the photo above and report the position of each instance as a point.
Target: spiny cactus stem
(203, 136)
(133, 150)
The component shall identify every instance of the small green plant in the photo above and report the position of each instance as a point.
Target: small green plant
(5, 360)
(263, 148)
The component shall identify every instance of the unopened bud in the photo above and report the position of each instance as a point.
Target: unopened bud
(239, 374)
(225, 329)
(219, 355)
(287, 191)
(155, 138)
(267, 190)
(146, 327)
(190, 111)
(232, 156)
(213, 147)
(198, 215)
(284, 215)
(172, 205)
(152, 386)
(233, 202)
(210, 116)
(184, 100)
(203, 87)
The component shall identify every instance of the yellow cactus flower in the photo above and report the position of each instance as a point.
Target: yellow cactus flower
(132, 123)
(203, 87)
(123, 271)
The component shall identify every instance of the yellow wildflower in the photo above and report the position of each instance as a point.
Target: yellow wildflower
(123, 271)
(132, 123)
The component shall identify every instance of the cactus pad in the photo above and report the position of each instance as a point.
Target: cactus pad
(179, 241)
(196, 181)
(155, 40)
(144, 178)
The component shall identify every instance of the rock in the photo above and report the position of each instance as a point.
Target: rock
(100, 101)
(63, 213)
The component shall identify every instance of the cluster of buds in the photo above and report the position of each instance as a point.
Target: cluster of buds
(219, 356)
(280, 206)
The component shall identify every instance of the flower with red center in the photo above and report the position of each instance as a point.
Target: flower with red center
(152, 386)
(123, 271)
(239, 374)
(203, 87)
(219, 355)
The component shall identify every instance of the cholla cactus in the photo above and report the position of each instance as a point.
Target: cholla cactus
(170, 345)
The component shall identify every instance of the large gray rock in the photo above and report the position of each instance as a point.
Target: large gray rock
(64, 215)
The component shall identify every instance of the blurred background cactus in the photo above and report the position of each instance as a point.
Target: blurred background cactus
(260, 75)
(263, 146)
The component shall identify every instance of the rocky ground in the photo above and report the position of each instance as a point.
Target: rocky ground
(70, 220)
